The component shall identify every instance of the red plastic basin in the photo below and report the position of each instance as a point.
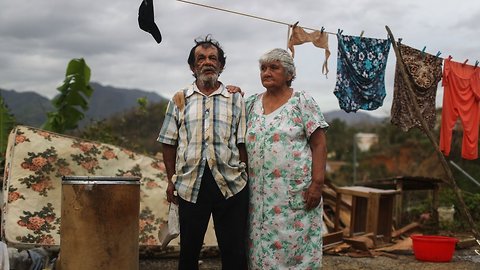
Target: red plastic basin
(433, 248)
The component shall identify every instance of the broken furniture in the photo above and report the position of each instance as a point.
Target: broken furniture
(372, 211)
(408, 183)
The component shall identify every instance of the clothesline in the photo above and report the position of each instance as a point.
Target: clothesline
(252, 16)
(275, 21)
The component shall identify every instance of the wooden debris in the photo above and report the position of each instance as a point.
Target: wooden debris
(401, 245)
(385, 254)
(360, 254)
(328, 222)
(364, 242)
(409, 227)
(466, 243)
(337, 249)
(332, 239)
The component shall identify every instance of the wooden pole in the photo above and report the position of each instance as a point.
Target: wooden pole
(443, 161)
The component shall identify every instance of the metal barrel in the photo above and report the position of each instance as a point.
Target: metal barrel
(100, 223)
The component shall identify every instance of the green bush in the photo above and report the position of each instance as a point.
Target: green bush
(472, 201)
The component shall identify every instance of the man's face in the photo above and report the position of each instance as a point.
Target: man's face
(207, 66)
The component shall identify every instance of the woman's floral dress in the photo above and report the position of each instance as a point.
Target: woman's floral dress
(282, 235)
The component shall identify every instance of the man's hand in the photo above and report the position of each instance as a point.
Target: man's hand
(235, 89)
(313, 195)
(171, 198)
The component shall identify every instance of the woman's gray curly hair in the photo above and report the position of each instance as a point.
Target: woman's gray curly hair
(283, 57)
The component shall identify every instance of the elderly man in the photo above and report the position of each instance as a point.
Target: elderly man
(203, 138)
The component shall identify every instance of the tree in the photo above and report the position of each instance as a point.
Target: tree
(340, 140)
(7, 122)
(72, 101)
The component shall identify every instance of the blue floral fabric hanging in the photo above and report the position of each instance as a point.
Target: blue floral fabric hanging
(361, 64)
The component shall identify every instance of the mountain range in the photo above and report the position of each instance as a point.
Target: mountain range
(31, 108)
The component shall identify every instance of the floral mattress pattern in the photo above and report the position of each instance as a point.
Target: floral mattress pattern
(36, 160)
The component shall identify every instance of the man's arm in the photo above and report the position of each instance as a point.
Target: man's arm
(243, 153)
(241, 132)
(169, 158)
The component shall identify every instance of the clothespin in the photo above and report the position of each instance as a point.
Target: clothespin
(361, 33)
(438, 54)
(339, 31)
(423, 52)
(464, 63)
(476, 64)
(295, 24)
(450, 57)
(322, 29)
(399, 40)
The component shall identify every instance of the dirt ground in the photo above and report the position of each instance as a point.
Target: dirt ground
(465, 259)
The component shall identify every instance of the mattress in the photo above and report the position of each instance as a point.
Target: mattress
(36, 161)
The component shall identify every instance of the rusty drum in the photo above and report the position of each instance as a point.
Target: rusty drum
(100, 223)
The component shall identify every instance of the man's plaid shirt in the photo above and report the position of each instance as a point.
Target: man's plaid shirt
(208, 129)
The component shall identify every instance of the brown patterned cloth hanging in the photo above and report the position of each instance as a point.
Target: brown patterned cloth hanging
(424, 72)
(318, 38)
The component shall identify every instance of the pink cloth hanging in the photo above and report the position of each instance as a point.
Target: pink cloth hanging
(461, 99)
(318, 38)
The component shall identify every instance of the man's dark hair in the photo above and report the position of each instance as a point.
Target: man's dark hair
(206, 42)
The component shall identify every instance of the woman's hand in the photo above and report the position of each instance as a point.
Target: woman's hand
(234, 89)
(313, 195)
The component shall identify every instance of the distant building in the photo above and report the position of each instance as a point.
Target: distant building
(365, 140)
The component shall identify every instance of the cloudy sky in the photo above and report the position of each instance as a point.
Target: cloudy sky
(38, 38)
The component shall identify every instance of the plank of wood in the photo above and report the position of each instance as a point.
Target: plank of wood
(466, 243)
(405, 229)
(332, 238)
(363, 242)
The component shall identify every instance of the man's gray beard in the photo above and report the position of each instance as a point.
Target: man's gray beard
(208, 80)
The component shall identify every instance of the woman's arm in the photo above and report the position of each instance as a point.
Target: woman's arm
(318, 145)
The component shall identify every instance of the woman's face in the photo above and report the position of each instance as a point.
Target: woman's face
(273, 75)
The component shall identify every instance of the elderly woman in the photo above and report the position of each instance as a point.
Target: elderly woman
(286, 146)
